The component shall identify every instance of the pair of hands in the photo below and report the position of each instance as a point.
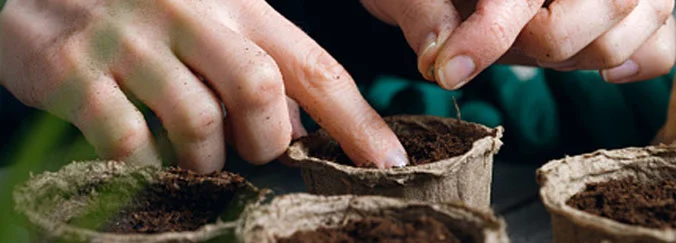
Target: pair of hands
(89, 61)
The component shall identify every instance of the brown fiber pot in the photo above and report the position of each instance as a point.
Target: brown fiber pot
(288, 214)
(465, 178)
(561, 179)
(50, 200)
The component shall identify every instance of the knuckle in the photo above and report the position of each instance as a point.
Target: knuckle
(262, 85)
(548, 40)
(135, 48)
(113, 135)
(134, 135)
(501, 28)
(320, 72)
(557, 47)
(502, 36)
(69, 56)
(200, 122)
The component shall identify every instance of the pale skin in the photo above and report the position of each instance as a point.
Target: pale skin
(88, 61)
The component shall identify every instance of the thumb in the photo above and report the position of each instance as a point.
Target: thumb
(482, 39)
(426, 25)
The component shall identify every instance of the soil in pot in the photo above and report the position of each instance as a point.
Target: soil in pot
(378, 229)
(422, 146)
(180, 200)
(631, 202)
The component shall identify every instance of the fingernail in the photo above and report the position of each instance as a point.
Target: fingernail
(396, 158)
(456, 72)
(430, 42)
(428, 46)
(622, 73)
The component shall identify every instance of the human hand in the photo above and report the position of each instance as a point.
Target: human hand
(455, 40)
(629, 40)
(567, 35)
(86, 61)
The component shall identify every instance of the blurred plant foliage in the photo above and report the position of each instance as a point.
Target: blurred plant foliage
(48, 143)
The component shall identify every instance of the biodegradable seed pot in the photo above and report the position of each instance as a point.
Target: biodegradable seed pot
(309, 218)
(114, 202)
(624, 195)
(451, 160)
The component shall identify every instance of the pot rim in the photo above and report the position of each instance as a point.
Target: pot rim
(61, 230)
(549, 179)
(491, 227)
(297, 155)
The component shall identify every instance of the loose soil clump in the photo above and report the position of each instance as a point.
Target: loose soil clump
(628, 201)
(422, 146)
(376, 229)
(181, 200)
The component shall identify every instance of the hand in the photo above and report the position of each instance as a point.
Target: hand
(455, 40)
(85, 61)
(628, 40)
(567, 35)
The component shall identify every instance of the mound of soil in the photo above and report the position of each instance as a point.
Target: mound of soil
(180, 201)
(422, 146)
(628, 201)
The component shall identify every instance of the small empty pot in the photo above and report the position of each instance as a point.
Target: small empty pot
(452, 161)
(592, 197)
(294, 217)
(114, 202)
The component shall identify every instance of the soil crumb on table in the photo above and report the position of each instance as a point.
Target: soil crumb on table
(628, 201)
(374, 229)
(181, 201)
(422, 146)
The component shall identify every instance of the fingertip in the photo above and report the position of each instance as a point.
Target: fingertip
(390, 153)
(456, 72)
(145, 156)
(426, 58)
(622, 73)
(396, 158)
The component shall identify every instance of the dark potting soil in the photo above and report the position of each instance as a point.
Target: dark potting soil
(181, 201)
(372, 229)
(423, 146)
(628, 201)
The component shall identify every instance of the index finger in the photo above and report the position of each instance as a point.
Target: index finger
(481, 39)
(326, 91)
